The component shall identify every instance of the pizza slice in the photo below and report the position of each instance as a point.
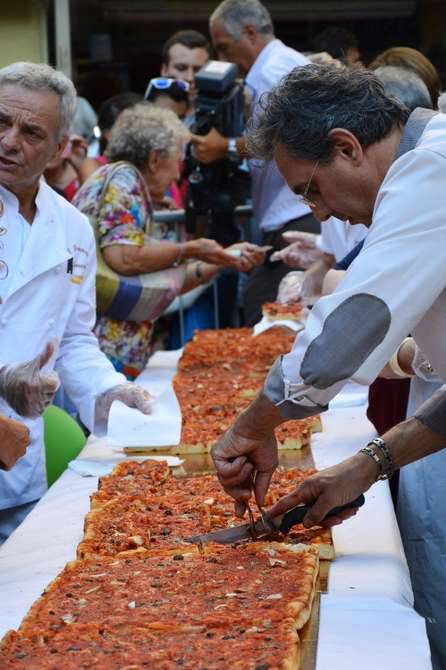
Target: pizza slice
(276, 311)
(131, 478)
(136, 647)
(127, 523)
(181, 507)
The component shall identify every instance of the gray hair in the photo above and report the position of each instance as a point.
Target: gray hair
(38, 76)
(236, 14)
(311, 101)
(404, 85)
(442, 103)
(142, 128)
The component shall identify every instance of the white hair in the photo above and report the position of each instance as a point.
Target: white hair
(38, 76)
(236, 14)
(404, 85)
(142, 128)
(442, 103)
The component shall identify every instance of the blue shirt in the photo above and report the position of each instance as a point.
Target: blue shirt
(345, 262)
(274, 203)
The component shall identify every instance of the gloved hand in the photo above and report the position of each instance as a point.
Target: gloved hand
(130, 394)
(290, 288)
(26, 388)
(301, 252)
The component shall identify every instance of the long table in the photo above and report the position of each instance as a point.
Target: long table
(366, 619)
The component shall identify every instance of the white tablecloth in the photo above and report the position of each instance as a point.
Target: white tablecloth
(367, 621)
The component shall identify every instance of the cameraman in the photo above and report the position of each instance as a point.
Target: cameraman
(183, 55)
(242, 32)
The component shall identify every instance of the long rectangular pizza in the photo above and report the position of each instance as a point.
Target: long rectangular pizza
(219, 608)
(141, 597)
(219, 374)
(130, 513)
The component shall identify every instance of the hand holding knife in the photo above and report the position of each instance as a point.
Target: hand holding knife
(266, 527)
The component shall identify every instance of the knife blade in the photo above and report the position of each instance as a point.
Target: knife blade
(262, 527)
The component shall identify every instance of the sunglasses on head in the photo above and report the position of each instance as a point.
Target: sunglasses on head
(163, 84)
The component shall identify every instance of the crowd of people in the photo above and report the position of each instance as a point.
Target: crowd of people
(86, 272)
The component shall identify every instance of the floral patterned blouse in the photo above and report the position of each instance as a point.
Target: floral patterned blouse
(126, 210)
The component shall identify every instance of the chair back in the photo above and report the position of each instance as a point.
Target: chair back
(63, 439)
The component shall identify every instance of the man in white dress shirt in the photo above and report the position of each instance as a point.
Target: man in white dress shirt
(47, 284)
(242, 33)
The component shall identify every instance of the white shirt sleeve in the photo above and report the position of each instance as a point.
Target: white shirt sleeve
(387, 290)
(84, 370)
(338, 237)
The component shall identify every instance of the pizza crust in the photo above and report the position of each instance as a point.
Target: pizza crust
(107, 581)
(276, 311)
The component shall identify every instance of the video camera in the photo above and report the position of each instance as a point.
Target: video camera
(215, 190)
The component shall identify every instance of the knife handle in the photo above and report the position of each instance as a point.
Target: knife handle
(296, 515)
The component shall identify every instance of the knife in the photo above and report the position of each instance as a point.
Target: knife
(266, 526)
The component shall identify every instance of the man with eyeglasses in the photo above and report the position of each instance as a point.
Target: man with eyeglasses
(242, 32)
(354, 153)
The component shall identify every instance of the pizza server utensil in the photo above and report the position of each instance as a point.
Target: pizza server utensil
(265, 526)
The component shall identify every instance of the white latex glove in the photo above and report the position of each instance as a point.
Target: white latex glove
(290, 288)
(26, 388)
(130, 394)
(310, 286)
(301, 253)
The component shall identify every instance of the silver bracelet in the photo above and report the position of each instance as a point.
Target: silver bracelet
(388, 459)
(371, 453)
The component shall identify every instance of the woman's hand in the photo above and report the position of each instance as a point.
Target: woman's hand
(209, 251)
(248, 255)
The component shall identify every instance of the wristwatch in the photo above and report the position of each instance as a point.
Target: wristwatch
(232, 152)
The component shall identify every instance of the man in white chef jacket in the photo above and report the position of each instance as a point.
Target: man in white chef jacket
(352, 152)
(47, 283)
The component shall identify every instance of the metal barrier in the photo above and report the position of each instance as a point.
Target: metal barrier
(176, 218)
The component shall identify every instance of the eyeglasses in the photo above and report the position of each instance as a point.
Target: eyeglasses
(163, 84)
(304, 195)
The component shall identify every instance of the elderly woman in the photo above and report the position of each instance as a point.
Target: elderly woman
(150, 141)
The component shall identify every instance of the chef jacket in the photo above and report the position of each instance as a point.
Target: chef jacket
(51, 296)
(396, 286)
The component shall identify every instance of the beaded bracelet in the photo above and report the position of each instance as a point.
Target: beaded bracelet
(371, 453)
(390, 465)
